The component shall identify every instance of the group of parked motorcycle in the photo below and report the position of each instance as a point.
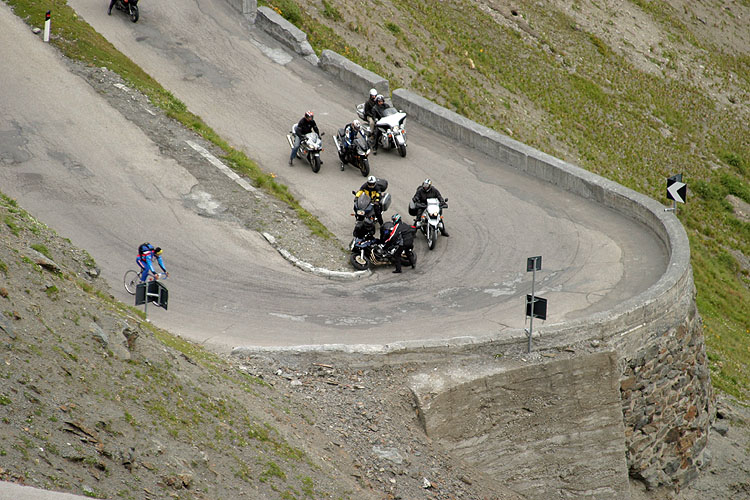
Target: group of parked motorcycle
(390, 133)
(366, 248)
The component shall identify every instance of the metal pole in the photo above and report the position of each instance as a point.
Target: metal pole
(531, 319)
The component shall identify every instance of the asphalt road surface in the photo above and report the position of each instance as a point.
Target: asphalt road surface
(81, 168)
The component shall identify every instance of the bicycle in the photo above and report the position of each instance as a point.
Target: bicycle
(132, 279)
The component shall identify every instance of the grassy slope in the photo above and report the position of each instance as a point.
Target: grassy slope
(565, 91)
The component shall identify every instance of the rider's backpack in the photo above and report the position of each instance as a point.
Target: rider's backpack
(144, 248)
(407, 235)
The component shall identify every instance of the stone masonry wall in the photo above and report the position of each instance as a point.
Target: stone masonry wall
(667, 405)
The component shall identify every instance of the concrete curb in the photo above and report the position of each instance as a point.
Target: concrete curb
(285, 32)
(352, 74)
(426, 346)
(318, 271)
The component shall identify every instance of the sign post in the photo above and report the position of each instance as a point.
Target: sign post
(151, 291)
(46, 26)
(534, 264)
(676, 191)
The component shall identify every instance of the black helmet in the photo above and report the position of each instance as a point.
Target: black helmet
(396, 218)
(380, 98)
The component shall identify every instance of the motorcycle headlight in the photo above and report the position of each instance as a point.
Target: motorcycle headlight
(360, 212)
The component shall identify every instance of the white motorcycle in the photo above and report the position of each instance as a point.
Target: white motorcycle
(391, 128)
(431, 220)
(309, 148)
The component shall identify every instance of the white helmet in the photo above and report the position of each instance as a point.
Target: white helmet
(373, 92)
(356, 124)
(371, 180)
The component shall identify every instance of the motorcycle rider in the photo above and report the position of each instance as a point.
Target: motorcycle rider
(424, 191)
(369, 104)
(351, 131)
(378, 113)
(400, 239)
(304, 126)
(373, 190)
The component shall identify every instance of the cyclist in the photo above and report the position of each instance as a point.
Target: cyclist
(146, 255)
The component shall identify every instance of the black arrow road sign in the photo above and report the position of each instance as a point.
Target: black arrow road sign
(676, 190)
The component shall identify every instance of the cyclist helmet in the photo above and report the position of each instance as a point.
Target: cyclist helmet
(371, 181)
(355, 124)
(309, 115)
(373, 93)
(396, 218)
(158, 251)
(426, 184)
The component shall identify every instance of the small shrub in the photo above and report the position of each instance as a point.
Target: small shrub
(393, 28)
(330, 11)
(42, 250)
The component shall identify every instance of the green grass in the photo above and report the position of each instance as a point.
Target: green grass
(42, 250)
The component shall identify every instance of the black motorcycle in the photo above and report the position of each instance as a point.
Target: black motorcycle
(356, 155)
(130, 7)
(367, 250)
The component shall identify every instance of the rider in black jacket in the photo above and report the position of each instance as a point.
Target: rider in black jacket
(427, 190)
(399, 240)
(369, 104)
(378, 113)
(304, 126)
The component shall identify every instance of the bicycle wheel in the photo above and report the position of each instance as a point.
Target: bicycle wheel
(131, 280)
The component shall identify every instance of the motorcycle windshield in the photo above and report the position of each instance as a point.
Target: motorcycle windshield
(361, 143)
(362, 202)
(391, 119)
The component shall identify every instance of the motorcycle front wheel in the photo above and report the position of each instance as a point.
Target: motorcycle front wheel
(364, 167)
(431, 236)
(134, 13)
(402, 150)
(316, 164)
(359, 262)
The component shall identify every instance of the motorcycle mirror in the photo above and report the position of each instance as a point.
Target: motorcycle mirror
(354, 193)
(445, 199)
(322, 134)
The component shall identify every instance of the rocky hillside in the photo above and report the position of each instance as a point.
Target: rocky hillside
(96, 401)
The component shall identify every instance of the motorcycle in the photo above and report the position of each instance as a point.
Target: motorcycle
(130, 7)
(309, 147)
(431, 220)
(391, 128)
(355, 156)
(364, 207)
(368, 251)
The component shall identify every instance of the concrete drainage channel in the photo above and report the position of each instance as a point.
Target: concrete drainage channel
(622, 393)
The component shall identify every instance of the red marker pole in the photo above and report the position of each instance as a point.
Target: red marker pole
(46, 26)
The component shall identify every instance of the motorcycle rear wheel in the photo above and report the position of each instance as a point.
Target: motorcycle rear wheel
(316, 164)
(364, 167)
(134, 13)
(360, 263)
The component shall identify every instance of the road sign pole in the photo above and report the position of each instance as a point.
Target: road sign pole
(531, 319)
